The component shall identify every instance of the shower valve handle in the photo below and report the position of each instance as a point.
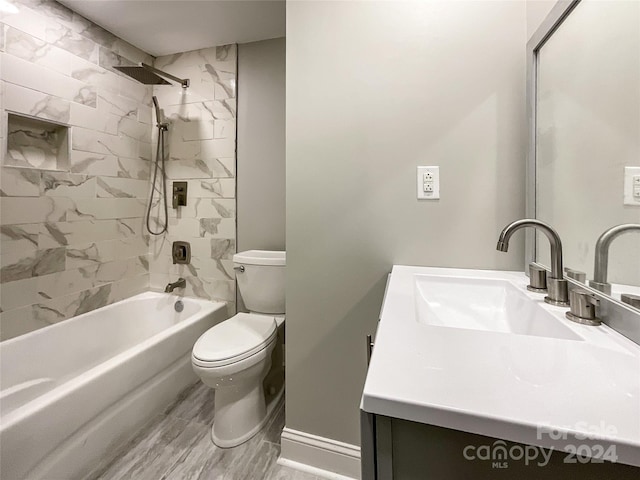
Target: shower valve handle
(179, 198)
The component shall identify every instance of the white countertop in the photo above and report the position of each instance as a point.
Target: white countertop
(501, 384)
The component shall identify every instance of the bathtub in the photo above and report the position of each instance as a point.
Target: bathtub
(72, 391)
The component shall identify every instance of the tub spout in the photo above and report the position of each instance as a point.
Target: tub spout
(180, 283)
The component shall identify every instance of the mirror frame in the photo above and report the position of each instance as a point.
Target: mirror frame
(617, 315)
(549, 25)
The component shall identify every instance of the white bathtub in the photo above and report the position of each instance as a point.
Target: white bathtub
(71, 391)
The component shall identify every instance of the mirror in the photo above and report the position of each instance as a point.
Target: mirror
(587, 136)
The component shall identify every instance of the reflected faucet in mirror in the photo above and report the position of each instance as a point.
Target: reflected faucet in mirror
(556, 284)
(601, 262)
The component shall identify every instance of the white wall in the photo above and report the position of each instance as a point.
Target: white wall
(374, 90)
(261, 145)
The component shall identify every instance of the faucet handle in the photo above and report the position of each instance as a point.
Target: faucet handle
(583, 307)
(537, 278)
(603, 287)
(576, 274)
(629, 299)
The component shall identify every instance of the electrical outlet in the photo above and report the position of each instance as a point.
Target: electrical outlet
(428, 183)
(632, 186)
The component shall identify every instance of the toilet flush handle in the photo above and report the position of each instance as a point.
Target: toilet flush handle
(239, 268)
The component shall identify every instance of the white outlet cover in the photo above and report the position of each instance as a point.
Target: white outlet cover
(422, 192)
(629, 174)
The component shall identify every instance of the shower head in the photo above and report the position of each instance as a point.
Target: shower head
(143, 75)
(149, 75)
(158, 117)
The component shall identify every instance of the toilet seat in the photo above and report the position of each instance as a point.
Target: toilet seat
(233, 340)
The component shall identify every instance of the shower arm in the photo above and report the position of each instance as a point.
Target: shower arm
(182, 81)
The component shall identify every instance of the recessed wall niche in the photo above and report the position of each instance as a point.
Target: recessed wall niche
(36, 143)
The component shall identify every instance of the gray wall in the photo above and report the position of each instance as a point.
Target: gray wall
(375, 89)
(261, 146)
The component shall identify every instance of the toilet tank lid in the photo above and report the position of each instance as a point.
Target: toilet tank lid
(261, 257)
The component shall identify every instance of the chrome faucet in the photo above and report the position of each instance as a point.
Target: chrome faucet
(180, 283)
(556, 284)
(601, 262)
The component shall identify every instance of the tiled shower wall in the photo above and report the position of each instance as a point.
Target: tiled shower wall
(202, 151)
(73, 238)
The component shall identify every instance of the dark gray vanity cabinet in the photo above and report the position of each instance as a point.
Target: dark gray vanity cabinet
(401, 450)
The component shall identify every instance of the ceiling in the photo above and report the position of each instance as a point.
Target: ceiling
(163, 27)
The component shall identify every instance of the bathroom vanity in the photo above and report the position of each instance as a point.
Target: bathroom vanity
(474, 376)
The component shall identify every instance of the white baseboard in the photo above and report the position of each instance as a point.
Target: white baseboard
(323, 457)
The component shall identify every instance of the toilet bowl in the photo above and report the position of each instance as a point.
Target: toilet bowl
(234, 356)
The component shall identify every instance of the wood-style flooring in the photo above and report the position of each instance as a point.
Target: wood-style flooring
(176, 445)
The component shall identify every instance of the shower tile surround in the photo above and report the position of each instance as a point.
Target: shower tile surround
(202, 152)
(72, 235)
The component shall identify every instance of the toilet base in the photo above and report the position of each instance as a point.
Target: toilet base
(236, 414)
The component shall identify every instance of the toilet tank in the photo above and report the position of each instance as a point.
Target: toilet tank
(262, 282)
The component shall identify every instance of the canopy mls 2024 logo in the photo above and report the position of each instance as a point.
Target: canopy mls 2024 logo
(587, 444)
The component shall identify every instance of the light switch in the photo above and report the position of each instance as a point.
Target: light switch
(632, 186)
(428, 183)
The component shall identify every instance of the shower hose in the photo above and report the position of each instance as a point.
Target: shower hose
(159, 165)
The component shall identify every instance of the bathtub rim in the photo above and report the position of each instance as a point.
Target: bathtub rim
(140, 296)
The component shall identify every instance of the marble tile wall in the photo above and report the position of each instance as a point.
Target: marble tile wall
(71, 236)
(202, 151)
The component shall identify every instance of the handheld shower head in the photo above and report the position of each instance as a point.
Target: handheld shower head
(158, 114)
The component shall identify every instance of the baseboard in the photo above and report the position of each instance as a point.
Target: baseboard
(323, 457)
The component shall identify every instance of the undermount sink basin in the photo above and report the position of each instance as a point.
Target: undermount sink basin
(483, 304)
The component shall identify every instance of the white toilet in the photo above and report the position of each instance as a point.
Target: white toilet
(234, 357)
